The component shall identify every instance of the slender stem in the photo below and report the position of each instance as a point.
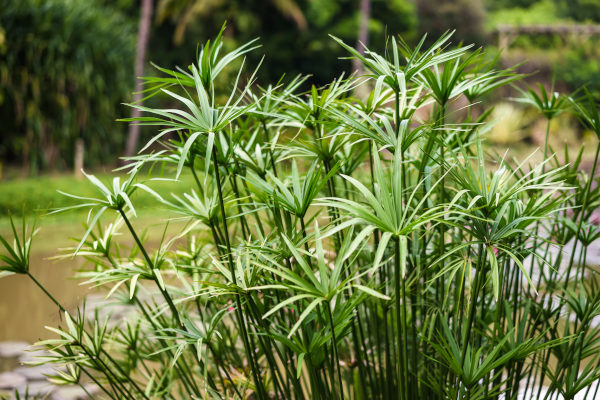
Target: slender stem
(220, 365)
(335, 350)
(581, 214)
(537, 223)
(106, 371)
(473, 303)
(268, 142)
(546, 143)
(240, 318)
(400, 289)
(163, 291)
(179, 366)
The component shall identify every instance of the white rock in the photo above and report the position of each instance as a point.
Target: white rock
(11, 380)
(31, 354)
(35, 373)
(13, 349)
(36, 389)
(73, 392)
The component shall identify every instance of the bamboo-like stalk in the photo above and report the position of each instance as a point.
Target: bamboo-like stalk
(240, 318)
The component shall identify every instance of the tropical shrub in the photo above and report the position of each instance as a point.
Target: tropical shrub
(579, 67)
(65, 68)
(467, 16)
(340, 247)
(283, 26)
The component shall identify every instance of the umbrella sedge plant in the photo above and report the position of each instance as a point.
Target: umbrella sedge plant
(337, 246)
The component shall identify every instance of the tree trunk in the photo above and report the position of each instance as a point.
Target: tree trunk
(363, 32)
(79, 152)
(140, 63)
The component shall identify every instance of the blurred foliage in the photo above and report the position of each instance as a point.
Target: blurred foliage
(507, 121)
(580, 66)
(502, 4)
(516, 126)
(466, 16)
(580, 10)
(65, 66)
(571, 61)
(544, 12)
(293, 33)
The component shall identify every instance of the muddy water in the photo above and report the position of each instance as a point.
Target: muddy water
(24, 308)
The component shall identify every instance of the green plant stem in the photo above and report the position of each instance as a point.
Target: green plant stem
(385, 381)
(401, 323)
(335, 350)
(162, 290)
(113, 380)
(581, 214)
(259, 223)
(181, 369)
(221, 366)
(240, 319)
(473, 303)
(268, 141)
(106, 371)
(338, 239)
(195, 175)
(89, 375)
(537, 224)
(546, 136)
(243, 222)
(276, 374)
(329, 357)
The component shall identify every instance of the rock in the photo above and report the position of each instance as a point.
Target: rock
(35, 389)
(11, 380)
(73, 392)
(31, 355)
(36, 373)
(13, 349)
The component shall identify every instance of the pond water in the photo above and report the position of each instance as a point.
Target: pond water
(24, 308)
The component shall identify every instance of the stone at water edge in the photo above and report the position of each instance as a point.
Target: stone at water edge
(74, 392)
(38, 388)
(11, 380)
(32, 355)
(13, 349)
(38, 372)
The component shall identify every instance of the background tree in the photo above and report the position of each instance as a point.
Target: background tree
(140, 63)
(291, 32)
(466, 16)
(363, 31)
(62, 74)
(581, 10)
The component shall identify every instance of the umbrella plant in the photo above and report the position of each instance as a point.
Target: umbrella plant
(339, 246)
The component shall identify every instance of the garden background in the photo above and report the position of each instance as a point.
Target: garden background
(67, 67)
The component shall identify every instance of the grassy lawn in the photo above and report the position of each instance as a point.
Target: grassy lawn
(18, 296)
(39, 194)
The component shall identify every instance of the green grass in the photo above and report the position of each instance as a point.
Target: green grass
(541, 13)
(38, 195)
